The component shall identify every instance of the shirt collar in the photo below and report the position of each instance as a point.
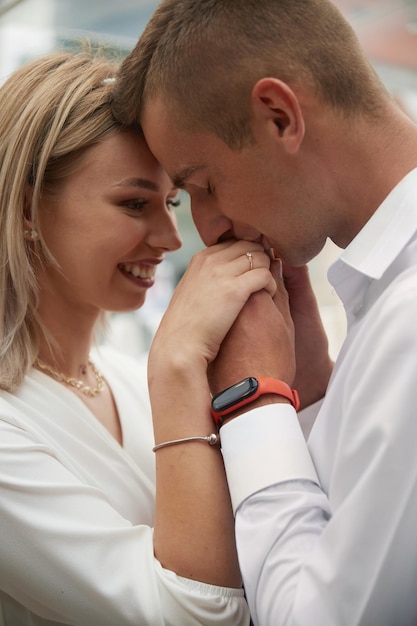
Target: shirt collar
(386, 233)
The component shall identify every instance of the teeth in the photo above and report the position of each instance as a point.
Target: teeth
(139, 271)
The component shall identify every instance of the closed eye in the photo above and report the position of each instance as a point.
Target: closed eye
(174, 202)
(194, 188)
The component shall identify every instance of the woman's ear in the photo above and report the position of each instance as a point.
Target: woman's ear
(29, 231)
(28, 202)
(275, 104)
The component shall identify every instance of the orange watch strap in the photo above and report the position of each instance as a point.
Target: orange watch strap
(265, 386)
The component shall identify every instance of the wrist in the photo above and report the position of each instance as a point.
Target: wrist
(170, 366)
(255, 404)
(247, 394)
(180, 399)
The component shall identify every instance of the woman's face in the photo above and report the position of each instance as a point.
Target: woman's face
(108, 226)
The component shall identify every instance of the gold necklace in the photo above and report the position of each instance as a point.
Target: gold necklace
(78, 384)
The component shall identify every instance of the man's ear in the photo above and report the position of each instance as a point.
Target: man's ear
(276, 104)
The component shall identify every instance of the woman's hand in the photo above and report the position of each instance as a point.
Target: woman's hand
(260, 342)
(192, 499)
(213, 290)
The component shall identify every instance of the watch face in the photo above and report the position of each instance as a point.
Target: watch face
(234, 394)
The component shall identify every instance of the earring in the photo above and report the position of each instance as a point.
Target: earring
(31, 234)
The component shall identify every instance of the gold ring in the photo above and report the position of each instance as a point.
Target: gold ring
(250, 259)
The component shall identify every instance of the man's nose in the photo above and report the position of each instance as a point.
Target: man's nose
(212, 226)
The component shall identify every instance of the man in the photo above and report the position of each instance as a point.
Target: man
(270, 116)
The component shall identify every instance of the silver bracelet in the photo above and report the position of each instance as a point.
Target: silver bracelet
(210, 439)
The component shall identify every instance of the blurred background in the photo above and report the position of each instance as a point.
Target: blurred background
(387, 30)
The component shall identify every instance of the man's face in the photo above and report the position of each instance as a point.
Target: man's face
(250, 194)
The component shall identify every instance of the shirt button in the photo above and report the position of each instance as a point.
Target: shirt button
(357, 309)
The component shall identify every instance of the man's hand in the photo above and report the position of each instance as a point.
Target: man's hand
(314, 365)
(280, 336)
(260, 342)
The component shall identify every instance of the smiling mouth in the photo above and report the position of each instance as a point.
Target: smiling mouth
(139, 271)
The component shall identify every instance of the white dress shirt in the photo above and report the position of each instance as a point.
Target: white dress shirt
(327, 530)
(77, 510)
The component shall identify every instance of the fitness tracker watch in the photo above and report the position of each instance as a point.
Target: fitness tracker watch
(245, 392)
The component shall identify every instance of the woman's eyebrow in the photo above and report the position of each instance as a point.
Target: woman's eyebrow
(138, 182)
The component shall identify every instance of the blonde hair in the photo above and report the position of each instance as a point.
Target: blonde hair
(204, 56)
(51, 111)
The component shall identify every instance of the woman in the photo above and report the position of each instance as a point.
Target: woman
(86, 218)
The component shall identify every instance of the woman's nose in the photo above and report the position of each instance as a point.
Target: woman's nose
(165, 235)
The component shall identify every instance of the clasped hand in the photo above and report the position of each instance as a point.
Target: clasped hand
(229, 316)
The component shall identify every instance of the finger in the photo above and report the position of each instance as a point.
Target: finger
(249, 256)
(259, 262)
(235, 248)
(256, 280)
(276, 269)
(252, 260)
(234, 262)
(281, 298)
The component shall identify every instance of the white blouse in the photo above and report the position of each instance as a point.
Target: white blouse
(76, 514)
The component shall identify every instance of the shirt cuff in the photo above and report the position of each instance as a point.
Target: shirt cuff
(263, 447)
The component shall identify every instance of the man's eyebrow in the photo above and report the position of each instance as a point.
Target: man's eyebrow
(138, 182)
(179, 179)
